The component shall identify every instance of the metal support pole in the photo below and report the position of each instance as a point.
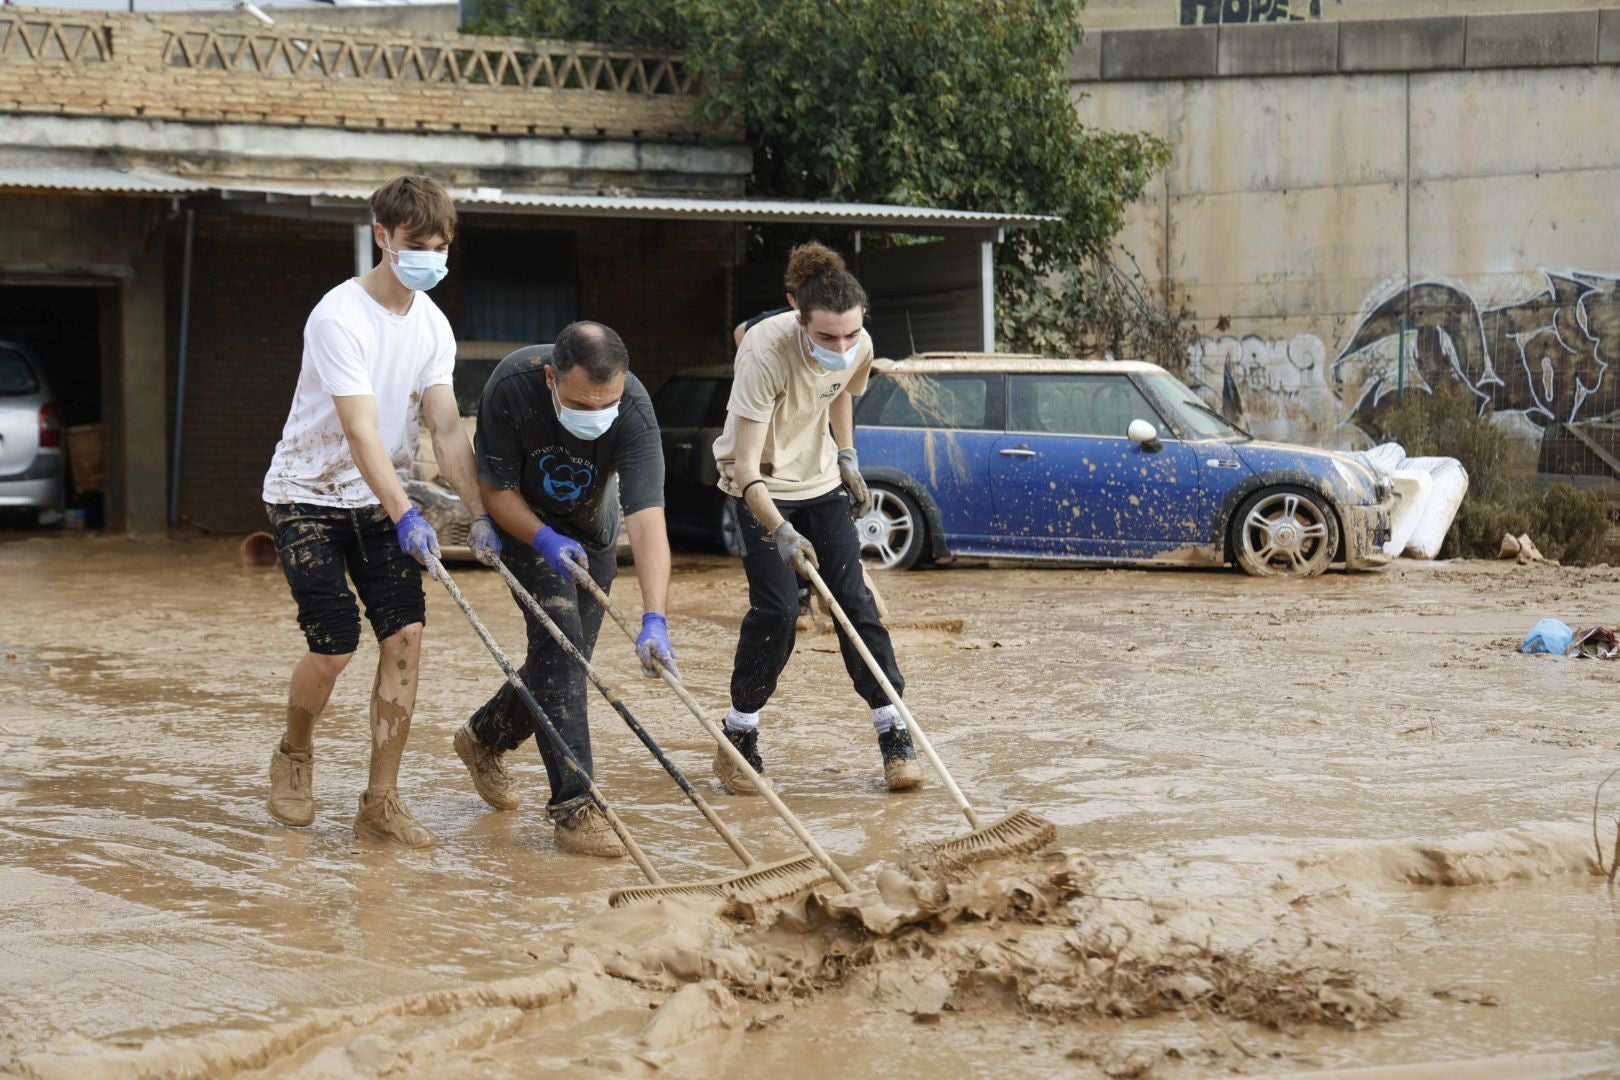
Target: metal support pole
(180, 373)
(362, 250)
(987, 296)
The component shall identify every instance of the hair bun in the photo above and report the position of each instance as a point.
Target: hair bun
(810, 260)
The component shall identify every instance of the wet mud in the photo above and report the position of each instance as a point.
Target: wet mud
(1333, 825)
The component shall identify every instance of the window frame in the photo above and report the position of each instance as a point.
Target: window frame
(885, 385)
(1155, 414)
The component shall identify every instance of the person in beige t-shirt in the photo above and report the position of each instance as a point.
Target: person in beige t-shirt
(787, 455)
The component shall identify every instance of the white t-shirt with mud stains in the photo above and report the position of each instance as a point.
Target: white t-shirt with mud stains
(352, 346)
(778, 384)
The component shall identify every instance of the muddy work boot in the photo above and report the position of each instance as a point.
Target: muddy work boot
(383, 817)
(732, 778)
(292, 786)
(900, 769)
(488, 768)
(586, 832)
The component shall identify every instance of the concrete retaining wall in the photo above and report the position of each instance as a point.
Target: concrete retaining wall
(1329, 181)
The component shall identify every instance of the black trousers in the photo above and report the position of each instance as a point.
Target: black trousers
(767, 636)
(556, 679)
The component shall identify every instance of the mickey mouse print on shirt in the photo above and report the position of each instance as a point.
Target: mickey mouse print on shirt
(563, 476)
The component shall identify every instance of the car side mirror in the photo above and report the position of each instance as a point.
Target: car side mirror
(1144, 435)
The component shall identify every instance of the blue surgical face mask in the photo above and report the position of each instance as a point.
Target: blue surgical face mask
(834, 361)
(419, 270)
(587, 424)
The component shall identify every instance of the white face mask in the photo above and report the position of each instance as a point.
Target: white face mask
(419, 270)
(587, 424)
(834, 361)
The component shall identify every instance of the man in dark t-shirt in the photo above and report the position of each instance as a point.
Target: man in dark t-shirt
(564, 430)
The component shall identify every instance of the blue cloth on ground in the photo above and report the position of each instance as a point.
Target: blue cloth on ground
(1548, 636)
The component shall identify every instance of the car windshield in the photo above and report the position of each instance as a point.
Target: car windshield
(1190, 412)
(16, 374)
(689, 401)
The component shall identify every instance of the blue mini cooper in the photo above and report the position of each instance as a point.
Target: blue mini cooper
(1023, 457)
(1115, 462)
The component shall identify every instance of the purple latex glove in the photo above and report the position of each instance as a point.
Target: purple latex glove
(482, 539)
(563, 555)
(654, 644)
(416, 537)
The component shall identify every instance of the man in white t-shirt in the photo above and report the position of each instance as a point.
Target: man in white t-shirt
(378, 357)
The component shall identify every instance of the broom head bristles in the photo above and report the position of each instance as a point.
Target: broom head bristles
(1019, 833)
(757, 885)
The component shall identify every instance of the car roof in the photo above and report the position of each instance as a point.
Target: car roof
(936, 363)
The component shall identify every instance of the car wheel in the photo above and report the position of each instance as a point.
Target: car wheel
(730, 530)
(893, 531)
(1285, 532)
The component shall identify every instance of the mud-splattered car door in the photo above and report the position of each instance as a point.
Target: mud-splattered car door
(1067, 481)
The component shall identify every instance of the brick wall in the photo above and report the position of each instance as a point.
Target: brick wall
(254, 281)
(168, 67)
(662, 285)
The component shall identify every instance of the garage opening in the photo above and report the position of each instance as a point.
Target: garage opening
(53, 419)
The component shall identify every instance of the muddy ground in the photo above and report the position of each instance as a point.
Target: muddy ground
(1302, 826)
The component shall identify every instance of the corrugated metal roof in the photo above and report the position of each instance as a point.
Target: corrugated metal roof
(136, 182)
(674, 208)
(103, 180)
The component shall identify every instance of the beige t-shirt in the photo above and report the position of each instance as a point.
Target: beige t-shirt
(778, 384)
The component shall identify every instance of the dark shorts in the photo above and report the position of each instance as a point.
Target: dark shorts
(317, 545)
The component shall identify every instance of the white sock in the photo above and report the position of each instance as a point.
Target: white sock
(741, 721)
(885, 718)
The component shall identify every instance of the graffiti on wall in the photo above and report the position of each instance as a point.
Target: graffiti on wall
(1212, 12)
(1272, 386)
(1546, 356)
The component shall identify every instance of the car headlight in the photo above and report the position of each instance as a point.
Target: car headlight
(1360, 482)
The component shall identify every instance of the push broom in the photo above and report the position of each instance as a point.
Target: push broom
(1018, 832)
(656, 885)
(732, 753)
(759, 882)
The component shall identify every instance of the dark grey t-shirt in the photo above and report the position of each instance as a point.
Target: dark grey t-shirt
(566, 480)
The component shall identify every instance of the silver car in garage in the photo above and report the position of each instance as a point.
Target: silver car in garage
(30, 436)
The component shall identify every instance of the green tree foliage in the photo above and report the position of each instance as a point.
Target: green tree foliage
(950, 103)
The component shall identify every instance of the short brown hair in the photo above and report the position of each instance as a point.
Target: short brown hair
(419, 204)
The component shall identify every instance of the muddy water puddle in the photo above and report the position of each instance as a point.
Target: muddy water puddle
(1352, 786)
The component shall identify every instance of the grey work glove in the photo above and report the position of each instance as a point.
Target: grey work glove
(849, 470)
(790, 545)
(483, 540)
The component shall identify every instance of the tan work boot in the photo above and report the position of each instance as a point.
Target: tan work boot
(586, 832)
(735, 780)
(488, 768)
(383, 817)
(292, 787)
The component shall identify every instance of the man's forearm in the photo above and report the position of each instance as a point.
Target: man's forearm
(455, 457)
(841, 415)
(377, 467)
(745, 470)
(510, 511)
(649, 543)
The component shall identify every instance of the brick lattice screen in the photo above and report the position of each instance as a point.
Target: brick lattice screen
(113, 64)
